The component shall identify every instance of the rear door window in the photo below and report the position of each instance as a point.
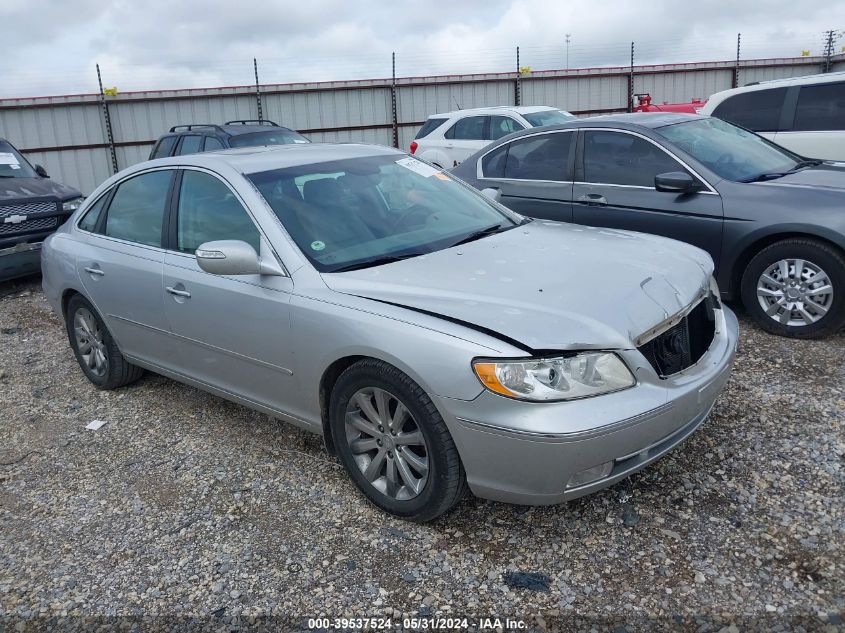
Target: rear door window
(615, 158)
(757, 110)
(190, 144)
(542, 157)
(429, 127)
(471, 128)
(136, 211)
(820, 107)
(502, 126)
(92, 215)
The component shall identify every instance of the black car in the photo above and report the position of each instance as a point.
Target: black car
(31, 207)
(207, 137)
(773, 221)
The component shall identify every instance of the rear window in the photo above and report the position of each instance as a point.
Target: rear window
(757, 110)
(429, 127)
(820, 107)
(271, 137)
(547, 117)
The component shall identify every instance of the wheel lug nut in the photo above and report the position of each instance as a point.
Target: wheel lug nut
(379, 442)
(390, 454)
(381, 429)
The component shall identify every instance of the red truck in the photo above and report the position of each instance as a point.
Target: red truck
(643, 103)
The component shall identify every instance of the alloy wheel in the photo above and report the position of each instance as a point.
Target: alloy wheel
(795, 292)
(386, 443)
(89, 342)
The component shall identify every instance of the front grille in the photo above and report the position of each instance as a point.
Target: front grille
(30, 226)
(684, 344)
(28, 208)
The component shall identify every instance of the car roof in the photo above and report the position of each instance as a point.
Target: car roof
(229, 130)
(631, 120)
(491, 110)
(250, 160)
(804, 80)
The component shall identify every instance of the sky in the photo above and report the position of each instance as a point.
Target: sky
(51, 47)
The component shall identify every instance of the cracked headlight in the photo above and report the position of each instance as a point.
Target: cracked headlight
(568, 377)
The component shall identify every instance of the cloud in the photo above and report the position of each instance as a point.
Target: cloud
(51, 46)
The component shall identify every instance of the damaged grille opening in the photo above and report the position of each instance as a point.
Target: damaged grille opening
(683, 345)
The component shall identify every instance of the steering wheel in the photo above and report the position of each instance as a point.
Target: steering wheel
(414, 209)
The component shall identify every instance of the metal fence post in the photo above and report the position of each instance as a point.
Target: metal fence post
(393, 102)
(631, 82)
(736, 67)
(257, 89)
(107, 118)
(517, 97)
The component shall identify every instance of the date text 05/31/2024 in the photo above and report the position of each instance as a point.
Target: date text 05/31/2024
(418, 623)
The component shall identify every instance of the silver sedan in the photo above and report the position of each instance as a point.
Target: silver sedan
(438, 341)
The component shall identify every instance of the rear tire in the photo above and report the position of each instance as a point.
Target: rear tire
(387, 431)
(95, 350)
(796, 288)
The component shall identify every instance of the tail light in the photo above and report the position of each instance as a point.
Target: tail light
(414, 146)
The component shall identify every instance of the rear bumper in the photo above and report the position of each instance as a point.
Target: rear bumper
(525, 453)
(20, 260)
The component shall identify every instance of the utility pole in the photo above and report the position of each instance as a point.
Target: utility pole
(568, 35)
(107, 118)
(736, 66)
(393, 103)
(257, 89)
(517, 96)
(830, 38)
(631, 82)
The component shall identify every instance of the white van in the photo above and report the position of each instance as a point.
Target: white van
(802, 114)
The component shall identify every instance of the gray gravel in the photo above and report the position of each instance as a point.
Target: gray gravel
(205, 513)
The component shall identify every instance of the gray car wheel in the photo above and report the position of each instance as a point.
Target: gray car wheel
(393, 442)
(95, 350)
(796, 288)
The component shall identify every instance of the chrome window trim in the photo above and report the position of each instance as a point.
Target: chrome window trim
(261, 233)
(710, 190)
(657, 145)
(480, 176)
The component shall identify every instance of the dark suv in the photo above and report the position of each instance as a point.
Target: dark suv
(207, 137)
(31, 207)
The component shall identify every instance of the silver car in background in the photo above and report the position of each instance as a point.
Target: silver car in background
(435, 339)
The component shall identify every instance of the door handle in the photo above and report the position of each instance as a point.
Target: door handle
(593, 198)
(94, 271)
(178, 293)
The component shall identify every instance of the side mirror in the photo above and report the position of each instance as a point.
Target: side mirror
(491, 193)
(675, 182)
(41, 171)
(233, 257)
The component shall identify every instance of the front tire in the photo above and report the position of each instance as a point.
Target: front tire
(393, 442)
(796, 288)
(95, 349)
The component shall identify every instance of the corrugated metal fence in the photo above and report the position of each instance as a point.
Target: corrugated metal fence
(67, 135)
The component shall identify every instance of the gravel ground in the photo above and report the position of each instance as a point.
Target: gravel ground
(191, 511)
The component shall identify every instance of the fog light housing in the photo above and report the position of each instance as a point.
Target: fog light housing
(589, 475)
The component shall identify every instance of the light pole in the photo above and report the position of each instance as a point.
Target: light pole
(568, 35)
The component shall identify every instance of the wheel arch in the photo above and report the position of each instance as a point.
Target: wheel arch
(740, 262)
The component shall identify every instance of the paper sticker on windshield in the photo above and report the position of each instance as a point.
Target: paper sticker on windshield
(418, 166)
(7, 158)
(317, 245)
(441, 176)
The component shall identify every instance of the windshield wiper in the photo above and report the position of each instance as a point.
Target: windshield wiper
(378, 261)
(780, 174)
(477, 235)
(6, 176)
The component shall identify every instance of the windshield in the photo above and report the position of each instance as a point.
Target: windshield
(730, 151)
(12, 164)
(348, 213)
(547, 117)
(271, 137)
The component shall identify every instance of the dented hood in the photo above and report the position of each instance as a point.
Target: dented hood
(546, 285)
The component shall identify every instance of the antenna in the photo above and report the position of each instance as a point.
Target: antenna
(456, 102)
